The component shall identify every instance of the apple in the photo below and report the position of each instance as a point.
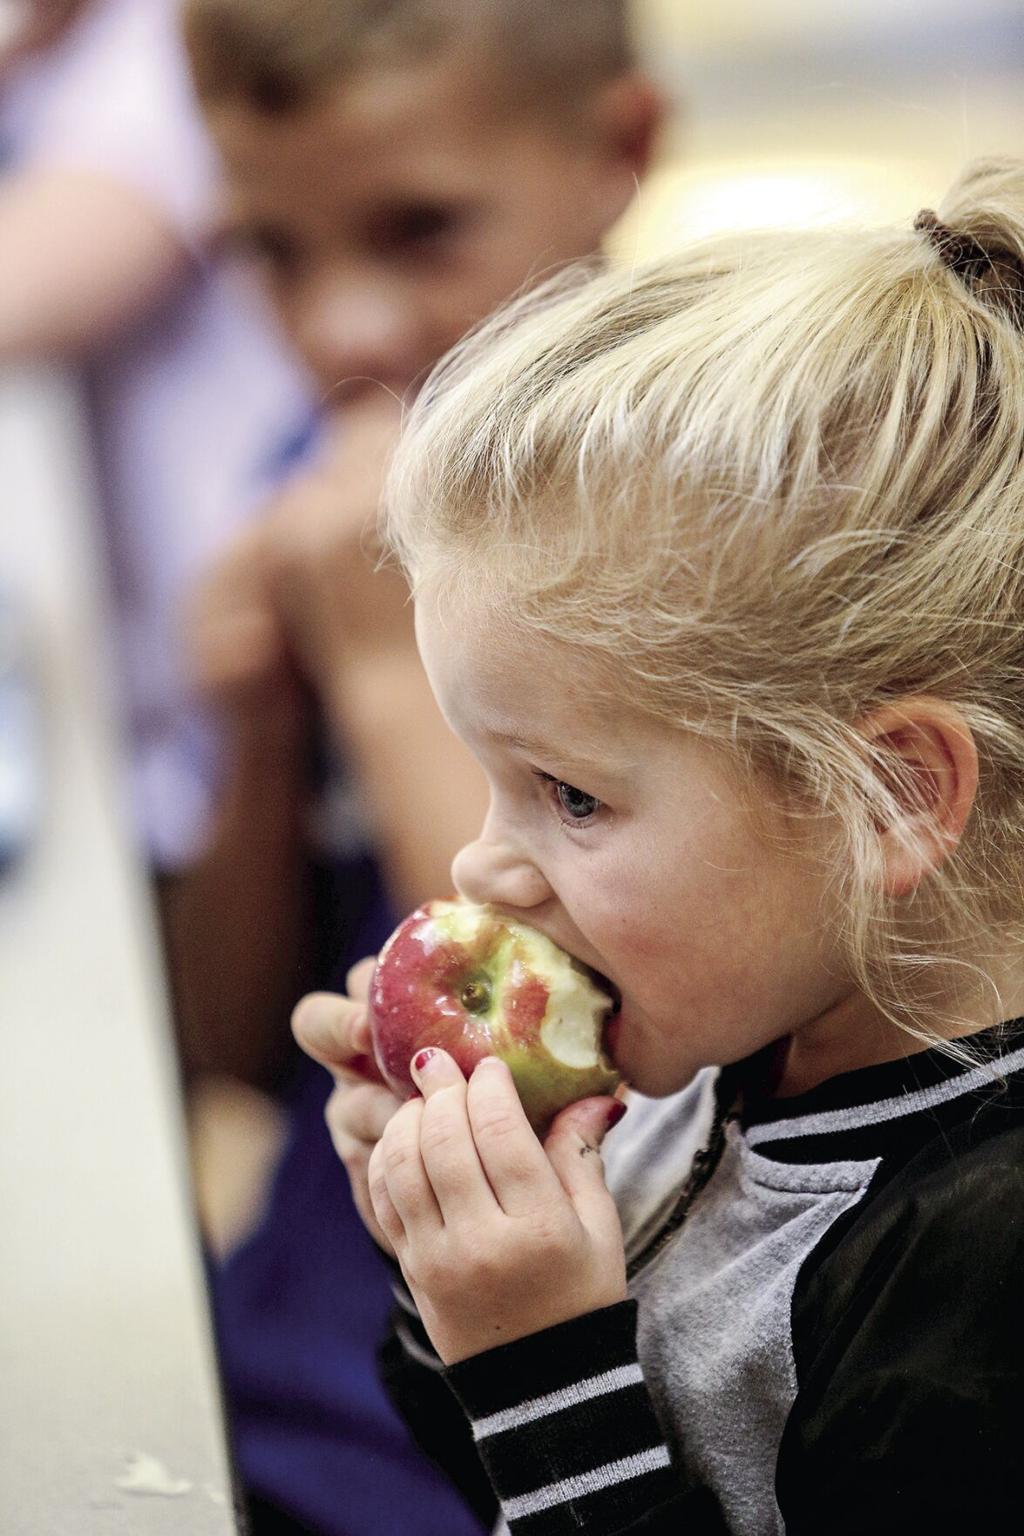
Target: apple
(476, 983)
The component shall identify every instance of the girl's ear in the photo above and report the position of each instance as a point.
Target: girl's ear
(933, 778)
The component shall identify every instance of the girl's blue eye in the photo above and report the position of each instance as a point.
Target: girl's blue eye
(576, 804)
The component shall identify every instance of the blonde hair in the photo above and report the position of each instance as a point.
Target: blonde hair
(769, 485)
(279, 55)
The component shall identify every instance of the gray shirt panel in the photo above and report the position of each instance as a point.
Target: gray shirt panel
(714, 1333)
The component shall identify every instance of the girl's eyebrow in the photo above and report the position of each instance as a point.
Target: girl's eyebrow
(524, 743)
(609, 763)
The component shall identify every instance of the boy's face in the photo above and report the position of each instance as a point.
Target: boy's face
(629, 844)
(397, 211)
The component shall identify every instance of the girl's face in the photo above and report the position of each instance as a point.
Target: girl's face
(628, 844)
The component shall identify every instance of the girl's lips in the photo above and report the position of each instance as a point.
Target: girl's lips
(601, 981)
(611, 1033)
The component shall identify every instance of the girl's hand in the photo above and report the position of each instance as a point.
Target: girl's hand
(497, 1236)
(335, 1031)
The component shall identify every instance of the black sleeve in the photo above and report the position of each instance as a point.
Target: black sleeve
(557, 1429)
(566, 1429)
(909, 1349)
(413, 1377)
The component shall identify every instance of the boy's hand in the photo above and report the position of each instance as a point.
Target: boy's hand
(296, 592)
(322, 538)
(335, 1031)
(236, 651)
(497, 1236)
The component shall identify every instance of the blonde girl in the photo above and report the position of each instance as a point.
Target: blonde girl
(719, 571)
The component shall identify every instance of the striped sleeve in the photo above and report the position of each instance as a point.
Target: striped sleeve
(414, 1379)
(565, 1427)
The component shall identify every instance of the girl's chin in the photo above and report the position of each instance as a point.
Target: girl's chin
(620, 1041)
(661, 1084)
(658, 1054)
(654, 1075)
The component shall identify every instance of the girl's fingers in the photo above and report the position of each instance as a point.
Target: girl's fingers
(449, 1154)
(384, 1210)
(335, 1031)
(360, 1110)
(357, 982)
(574, 1149)
(401, 1170)
(512, 1158)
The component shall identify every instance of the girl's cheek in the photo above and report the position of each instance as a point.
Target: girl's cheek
(621, 911)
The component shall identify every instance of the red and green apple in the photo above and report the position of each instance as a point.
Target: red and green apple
(476, 983)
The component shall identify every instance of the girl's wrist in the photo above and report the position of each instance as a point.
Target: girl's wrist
(546, 1360)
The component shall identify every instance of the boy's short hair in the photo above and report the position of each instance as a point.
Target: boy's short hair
(280, 55)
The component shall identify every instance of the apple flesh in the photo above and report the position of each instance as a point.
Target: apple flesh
(475, 983)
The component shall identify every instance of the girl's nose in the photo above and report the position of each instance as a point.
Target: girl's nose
(492, 870)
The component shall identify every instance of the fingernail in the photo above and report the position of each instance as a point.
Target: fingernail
(421, 1058)
(615, 1112)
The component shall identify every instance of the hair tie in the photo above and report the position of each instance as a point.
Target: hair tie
(996, 274)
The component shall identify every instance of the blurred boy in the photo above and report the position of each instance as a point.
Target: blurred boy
(107, 190)
(397, 171)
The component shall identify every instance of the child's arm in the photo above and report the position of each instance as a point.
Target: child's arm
(908, 1343)
(299, 591)
(350, 626)
(37, 29)
(424, 792)
(81, 256)
(236, 920)
(114, 181)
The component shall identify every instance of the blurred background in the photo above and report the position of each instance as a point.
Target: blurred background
(792, 112)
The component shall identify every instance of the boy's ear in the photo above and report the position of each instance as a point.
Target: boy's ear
(934, 779)
(628, 112)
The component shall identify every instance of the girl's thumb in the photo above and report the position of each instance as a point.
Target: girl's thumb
(573, 1144)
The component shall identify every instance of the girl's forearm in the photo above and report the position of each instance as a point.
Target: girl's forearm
(563, 1426)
